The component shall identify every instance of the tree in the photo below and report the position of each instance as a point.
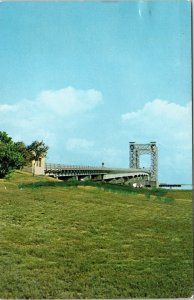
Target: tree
(37, 150)
(23, 149)
(4, 138)
(10, 157)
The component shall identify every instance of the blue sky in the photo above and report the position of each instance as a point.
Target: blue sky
(88, 78)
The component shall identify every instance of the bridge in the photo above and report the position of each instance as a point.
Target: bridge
(133, 175)
(113, 175)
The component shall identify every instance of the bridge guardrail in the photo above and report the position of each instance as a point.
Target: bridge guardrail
(55, 167)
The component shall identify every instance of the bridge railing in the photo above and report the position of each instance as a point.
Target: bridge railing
(52, 167)
(71, 167)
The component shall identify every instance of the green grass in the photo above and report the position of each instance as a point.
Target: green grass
(75, 240)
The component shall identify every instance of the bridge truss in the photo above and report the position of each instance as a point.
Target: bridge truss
(135, 150)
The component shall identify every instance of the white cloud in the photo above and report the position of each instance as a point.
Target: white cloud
(69, 100)
(162, 109)
(6, 108)
(170, 125)
(49, 115)
(163, 119)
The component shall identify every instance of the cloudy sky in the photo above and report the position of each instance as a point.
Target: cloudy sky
(88, 78)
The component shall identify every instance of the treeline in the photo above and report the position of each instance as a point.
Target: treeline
(16, 155)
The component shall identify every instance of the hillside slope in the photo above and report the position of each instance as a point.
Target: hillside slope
(87, 242)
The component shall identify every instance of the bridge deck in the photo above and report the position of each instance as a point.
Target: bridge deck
(60, 170)
(103, 169)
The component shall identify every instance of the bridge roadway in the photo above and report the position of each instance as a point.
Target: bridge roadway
(95, 173)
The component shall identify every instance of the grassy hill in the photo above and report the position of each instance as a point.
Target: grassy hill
(77, 240)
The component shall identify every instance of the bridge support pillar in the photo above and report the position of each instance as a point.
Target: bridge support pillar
(84, 178)
(117, 180)
(129, 181)
(97, 177)
(154, 183)
(74, 177)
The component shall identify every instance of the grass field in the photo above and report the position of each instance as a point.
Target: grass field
(81, 241)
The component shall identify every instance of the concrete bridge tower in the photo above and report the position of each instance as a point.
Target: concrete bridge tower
(38, 166)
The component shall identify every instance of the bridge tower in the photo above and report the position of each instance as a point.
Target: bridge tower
(135, 150)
